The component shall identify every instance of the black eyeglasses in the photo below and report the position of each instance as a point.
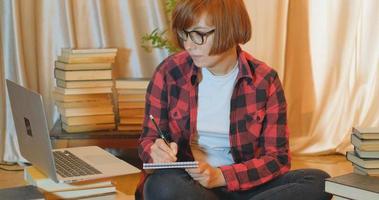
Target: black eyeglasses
(197, 37)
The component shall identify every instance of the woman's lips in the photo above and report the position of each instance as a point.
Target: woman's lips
(196, 57)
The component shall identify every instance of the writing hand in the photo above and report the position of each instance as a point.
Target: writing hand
(160, 152)
(207, 176)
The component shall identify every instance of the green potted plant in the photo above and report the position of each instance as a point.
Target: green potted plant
(160, 38)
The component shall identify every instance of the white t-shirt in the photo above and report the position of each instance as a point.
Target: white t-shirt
(211, 142)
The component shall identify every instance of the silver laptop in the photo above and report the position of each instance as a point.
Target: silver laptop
(61, 165)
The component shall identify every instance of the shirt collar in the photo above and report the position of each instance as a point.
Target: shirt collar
(244, 72)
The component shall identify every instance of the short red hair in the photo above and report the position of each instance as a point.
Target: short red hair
(230, 18)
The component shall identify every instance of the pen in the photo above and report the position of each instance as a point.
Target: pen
(159, 130)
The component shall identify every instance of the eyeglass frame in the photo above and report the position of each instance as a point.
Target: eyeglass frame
(204, 36)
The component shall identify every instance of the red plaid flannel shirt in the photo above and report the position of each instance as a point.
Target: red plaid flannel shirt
(258, 123)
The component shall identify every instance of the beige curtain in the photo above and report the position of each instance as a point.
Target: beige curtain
(326, 53)
(331, 72)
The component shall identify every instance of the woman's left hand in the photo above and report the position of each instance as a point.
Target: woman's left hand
(207, 176)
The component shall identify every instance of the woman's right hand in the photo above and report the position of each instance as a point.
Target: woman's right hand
(161, 153)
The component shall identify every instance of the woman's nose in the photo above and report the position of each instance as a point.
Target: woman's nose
(189, 44)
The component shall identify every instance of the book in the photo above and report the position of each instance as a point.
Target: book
(81, 104)
(132, 83)
(362, 162)
(105, 74)
(353, 186)
(131, 121)
(83, 193)
(71, 51)
(365, 144)
(88, 55)
(133, 129)
(94, 59)
(36, 178)
(84, 84)
(131, 91)
(87, 120)
(79, 97)
(171, 165)
(131, 105)
(86, 111)
(82, 66)
(133, 112)
(97, 90)
(364, 171)
(28, 192)
(131, 97)
(87, 128)
(366, 154)
(118, 195)
(366, 132)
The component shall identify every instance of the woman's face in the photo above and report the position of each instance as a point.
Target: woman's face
(200, 53)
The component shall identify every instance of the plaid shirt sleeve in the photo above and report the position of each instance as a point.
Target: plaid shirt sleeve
(273, 158)
(156, 105)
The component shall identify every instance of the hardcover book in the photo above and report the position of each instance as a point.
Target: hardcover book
(365, 171)
(88, 120)
(131, 91)
(83, 104)
(131, 121)
(98, 110)
(87, 128)
(79, 97)
(366, 154)
(83, 75)
(362, 162)
(97, 59)
(131, 97)
(131, 105)
(71, 91)
(72, 51)
(84, 84)
(366, 132)
(365, 144)
(132, 83)
(82, 66)
(133, 112)
(353, 186)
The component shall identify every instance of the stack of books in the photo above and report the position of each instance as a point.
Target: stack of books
(364, 182)
(84, 89)
(131, 103)
(365, 157)
(53, 190)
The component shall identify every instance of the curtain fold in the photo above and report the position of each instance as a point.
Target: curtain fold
(327, 81)
(326, 54)
(269, 24)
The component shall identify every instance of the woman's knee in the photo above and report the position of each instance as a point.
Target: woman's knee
(163, 185)
(316, 180)
(316, 175)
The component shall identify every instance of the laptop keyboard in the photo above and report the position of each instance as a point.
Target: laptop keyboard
(69, 165)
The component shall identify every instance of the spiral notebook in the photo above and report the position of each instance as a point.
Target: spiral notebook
(171, 165)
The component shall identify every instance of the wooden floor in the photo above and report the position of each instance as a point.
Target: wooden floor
(334, 164)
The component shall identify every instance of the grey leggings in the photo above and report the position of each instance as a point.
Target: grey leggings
(177, 184)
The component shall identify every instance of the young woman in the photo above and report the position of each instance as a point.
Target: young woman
(224, 108)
